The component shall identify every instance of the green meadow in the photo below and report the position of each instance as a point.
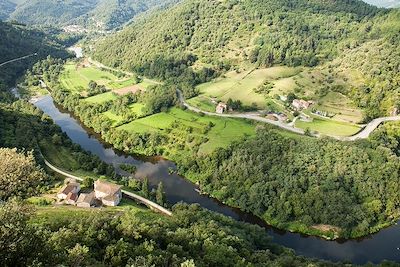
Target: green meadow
(329, 127)
(224, 131)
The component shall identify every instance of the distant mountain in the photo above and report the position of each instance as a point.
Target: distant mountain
(384, 3)
(18, 41)
(6, 8)
(98, 14)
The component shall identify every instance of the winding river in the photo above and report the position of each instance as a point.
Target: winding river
(384, 245)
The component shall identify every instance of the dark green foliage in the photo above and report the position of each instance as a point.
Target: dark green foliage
(305, 180)
(96, 14)
(145, 188)
(19, 41)
(160, 194)
(105, 239)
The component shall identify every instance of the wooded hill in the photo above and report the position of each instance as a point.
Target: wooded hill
(98, 14)
(18, 41)
(261, 33)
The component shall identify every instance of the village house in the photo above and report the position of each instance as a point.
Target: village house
(301, 104)
(71, 198)
(221, 108)
(110, 194)
(68, 188)
(86, 200)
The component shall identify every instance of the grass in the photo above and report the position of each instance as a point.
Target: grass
(329, 127)
(203, 103)
(336, 103)
(101, 98)
(240, 86)
(59, 156)
(76, 79)
(224, 132)
(137, 108)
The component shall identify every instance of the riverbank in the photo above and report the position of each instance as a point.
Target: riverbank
(375, 249)
(326, 232)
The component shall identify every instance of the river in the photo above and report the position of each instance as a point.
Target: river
(375, 248)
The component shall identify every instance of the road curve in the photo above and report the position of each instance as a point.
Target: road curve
(128, 194)
(250, 116)
(363, 134)
(17, 59)
(369, 128)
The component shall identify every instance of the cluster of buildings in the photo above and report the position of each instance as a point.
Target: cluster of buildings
(104, 193)
(300, 104)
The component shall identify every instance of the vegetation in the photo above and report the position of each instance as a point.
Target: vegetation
(19, 174)
(297, 183)
(18, 41)
(250, 34)
(92, 14)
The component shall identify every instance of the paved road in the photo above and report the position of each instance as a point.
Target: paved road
(370, 127)
(17, 59)
(363, 134)
(251, 116)
(134, 196)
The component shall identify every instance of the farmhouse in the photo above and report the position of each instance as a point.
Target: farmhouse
(86, 200)
(301, 104)
(68, 188)
(71, 198)
(221, 108)
(110, 194)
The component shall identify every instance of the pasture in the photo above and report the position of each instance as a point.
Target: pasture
(76, 79)
(241, 86)
(329, 127)
(223, 133)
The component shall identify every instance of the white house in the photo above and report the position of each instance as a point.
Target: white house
(110, 194)
(73, 188)
(221, 108)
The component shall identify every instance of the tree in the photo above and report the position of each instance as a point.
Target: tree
(19, 174)
(88, 182)
(160, 194)
(77, 255)
(145, 187)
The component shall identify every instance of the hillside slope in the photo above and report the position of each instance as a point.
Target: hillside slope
(93, 14)
(261, 34)
(17, 41)
(289, 32)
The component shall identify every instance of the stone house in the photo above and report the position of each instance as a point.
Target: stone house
(110, 194)
(73, 188)
(86, 200)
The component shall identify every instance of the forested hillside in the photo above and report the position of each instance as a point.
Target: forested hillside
(18, 41)
(266, 33)
(91, 14)
(301, 183)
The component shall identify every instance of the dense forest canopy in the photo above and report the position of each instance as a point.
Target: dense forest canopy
(91, 14)
(265, 33)
(305, 182)
(18, 41)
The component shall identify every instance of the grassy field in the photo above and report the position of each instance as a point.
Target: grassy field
(240, 86)
(341, 106)
(202, 102)
(76, 79)
(101, 98)
(329, 127)
(222, 134)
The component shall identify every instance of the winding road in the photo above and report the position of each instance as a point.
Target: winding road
(130, 195)
(17, 59)
(363, 134)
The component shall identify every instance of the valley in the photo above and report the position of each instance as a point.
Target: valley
(257, 133)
